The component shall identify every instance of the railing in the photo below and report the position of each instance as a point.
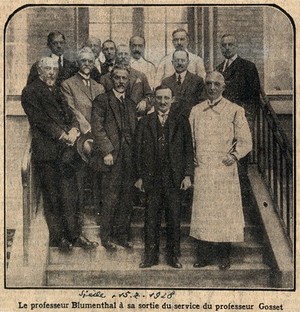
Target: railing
(31, 197)
(273, 154)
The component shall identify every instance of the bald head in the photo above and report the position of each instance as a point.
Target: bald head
(214, 85)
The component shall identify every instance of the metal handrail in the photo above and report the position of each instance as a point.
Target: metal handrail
(274, 157)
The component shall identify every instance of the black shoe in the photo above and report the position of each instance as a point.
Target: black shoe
(147, 263)
(200, 264)
(126, 244)
(84, 243)
(108, 245)
(174, 263)
(64, 245)
(224, 264)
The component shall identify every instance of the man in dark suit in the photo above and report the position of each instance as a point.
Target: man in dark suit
(113, 128)
(242, 86)
(54, 131)
(138, 89)
(186, 87)
(241, 78)
(164, 167)
(56, 42)
(109, 50)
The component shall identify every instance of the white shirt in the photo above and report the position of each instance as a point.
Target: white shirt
(118, 95)
(165, 67)
(145, 67)
(163, 116)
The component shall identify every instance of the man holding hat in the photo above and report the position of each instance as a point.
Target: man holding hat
(54, 131)
(79, 91)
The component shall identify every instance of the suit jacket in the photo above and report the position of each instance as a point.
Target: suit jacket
(68, 70)
(180, 149)
(188, 94)
(137, 89)
(80, 97)
(242, 84)
(49, 116)
(106, 128)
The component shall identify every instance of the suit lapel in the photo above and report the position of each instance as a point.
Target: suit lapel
(153, 125)
(114, 104)
(172, 126)
(186, 82)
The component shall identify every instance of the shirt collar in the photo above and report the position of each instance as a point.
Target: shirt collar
(118, 95)
(83, 76)
(182, 75)
(215, 101)
(233, 58)
(161, 114)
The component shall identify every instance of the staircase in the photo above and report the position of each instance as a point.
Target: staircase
(99, 268)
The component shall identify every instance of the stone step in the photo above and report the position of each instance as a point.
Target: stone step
(252, 233)
(120, 269)
(241, 252)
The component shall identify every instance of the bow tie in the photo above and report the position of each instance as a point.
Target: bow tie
(108, 64)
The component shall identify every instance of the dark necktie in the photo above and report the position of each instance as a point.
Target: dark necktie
(179, 80)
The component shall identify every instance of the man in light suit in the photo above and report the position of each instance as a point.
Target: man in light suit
(138, 89)
(138, 61)
(54, 131)
(113, 128)
(242, 86)
(80, 91)
(186, 87)
(180, 41)
(56, 42)
(164, 167)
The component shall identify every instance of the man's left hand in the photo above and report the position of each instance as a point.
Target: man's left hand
(186, 183)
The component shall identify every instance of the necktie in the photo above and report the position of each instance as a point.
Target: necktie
(86, 82)
(122, 101)
(179, 80)
(164, 119)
